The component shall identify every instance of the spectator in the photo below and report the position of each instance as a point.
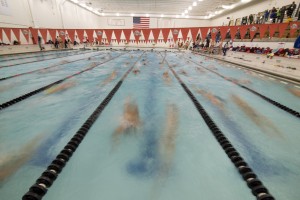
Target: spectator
(282, 13)
(244, 20)
(250, 19)
(266, 15)
(273, 15)
(40, 42)
(56, 43)
(291, 9)
(225, 48)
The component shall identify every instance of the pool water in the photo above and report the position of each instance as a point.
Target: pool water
(170, 154)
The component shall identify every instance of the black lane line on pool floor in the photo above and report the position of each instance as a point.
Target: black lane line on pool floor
(12, 65)
(41, 55)
(256, 186)
(271, 101)
(25, 96)
(40, 188)
(59, 64)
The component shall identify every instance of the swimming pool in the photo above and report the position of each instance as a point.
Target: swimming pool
(171, 153)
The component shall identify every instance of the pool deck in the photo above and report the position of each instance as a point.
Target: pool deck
(281, 67)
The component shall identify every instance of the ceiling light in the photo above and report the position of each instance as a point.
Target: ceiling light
(245, 1)
(187, 16)
(103, 14)
(227, 7)
(118, 14)
(177, 16)
(162, 15)
(75, 1)
(200, 0)
(186, 11)
(147, 15)
(132, 14)
(194, 3)
(190, 7)
(182, 14)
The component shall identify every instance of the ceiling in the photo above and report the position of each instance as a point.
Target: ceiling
(172, 8)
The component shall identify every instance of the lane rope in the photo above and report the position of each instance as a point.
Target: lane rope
(52, 66)
(253, 182)
(45, 181)
(12, 65)
(271, 101)
(25, 96)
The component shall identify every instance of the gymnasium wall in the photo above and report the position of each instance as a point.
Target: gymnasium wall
(65, 14)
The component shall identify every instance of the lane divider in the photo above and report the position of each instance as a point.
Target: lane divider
(12, 65)
(25, 96)
(41, 55)
(45, 181)
(256, 185)
(59, 64)
(275, 103)
(32, 52)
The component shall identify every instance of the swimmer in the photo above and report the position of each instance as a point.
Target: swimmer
(136, 71)
(199, 69)
(168, 139)
(130, 120)
(265, 124)
(167, 78)
(183, 72)
(60, 87)
(243, 81)
(9, 164)
(167, 147)
(5, 87)
(213, 99)
(294, 91)
(110, 78)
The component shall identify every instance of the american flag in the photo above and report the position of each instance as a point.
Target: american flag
(141, 22)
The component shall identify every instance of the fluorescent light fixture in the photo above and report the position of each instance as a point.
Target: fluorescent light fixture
(177, 16)
(147, 15)
(190, 8)
(132, 14)
(187, 16)
(186, 11)
(194, 3)
(200, 0)
(227, 7)
(118, 14)
(245, 1)
(182, 14)
(103, 14)
(162, 15)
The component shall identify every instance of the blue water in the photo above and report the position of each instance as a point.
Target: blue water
(140, 165)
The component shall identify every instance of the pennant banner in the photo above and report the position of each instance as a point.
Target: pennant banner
(214, 32)
(71, 34)
(52, 33)
(165, 32)
(90, 34)
(16, 32)
(155, 33)
(80, 34)
(127, 33)
(44, 34)
(233, 31)
(99, 34)
(108, 33)
(194, 32)
(203, 31)
(262, 29)
(253, 30)
(146, 33)
(272, 29)
(223, 31)
(34, 35)
(282, 29)
(1, 35)
(175, 33)
(243, 30)
(118, 33)
(294, 26)
(7, 33)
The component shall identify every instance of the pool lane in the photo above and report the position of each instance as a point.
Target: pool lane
(9, 71)
(281, 91)
(13, 63)
(53, 120)
(16, 87)
(265, 136)
(138, 165)
(31, 55)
